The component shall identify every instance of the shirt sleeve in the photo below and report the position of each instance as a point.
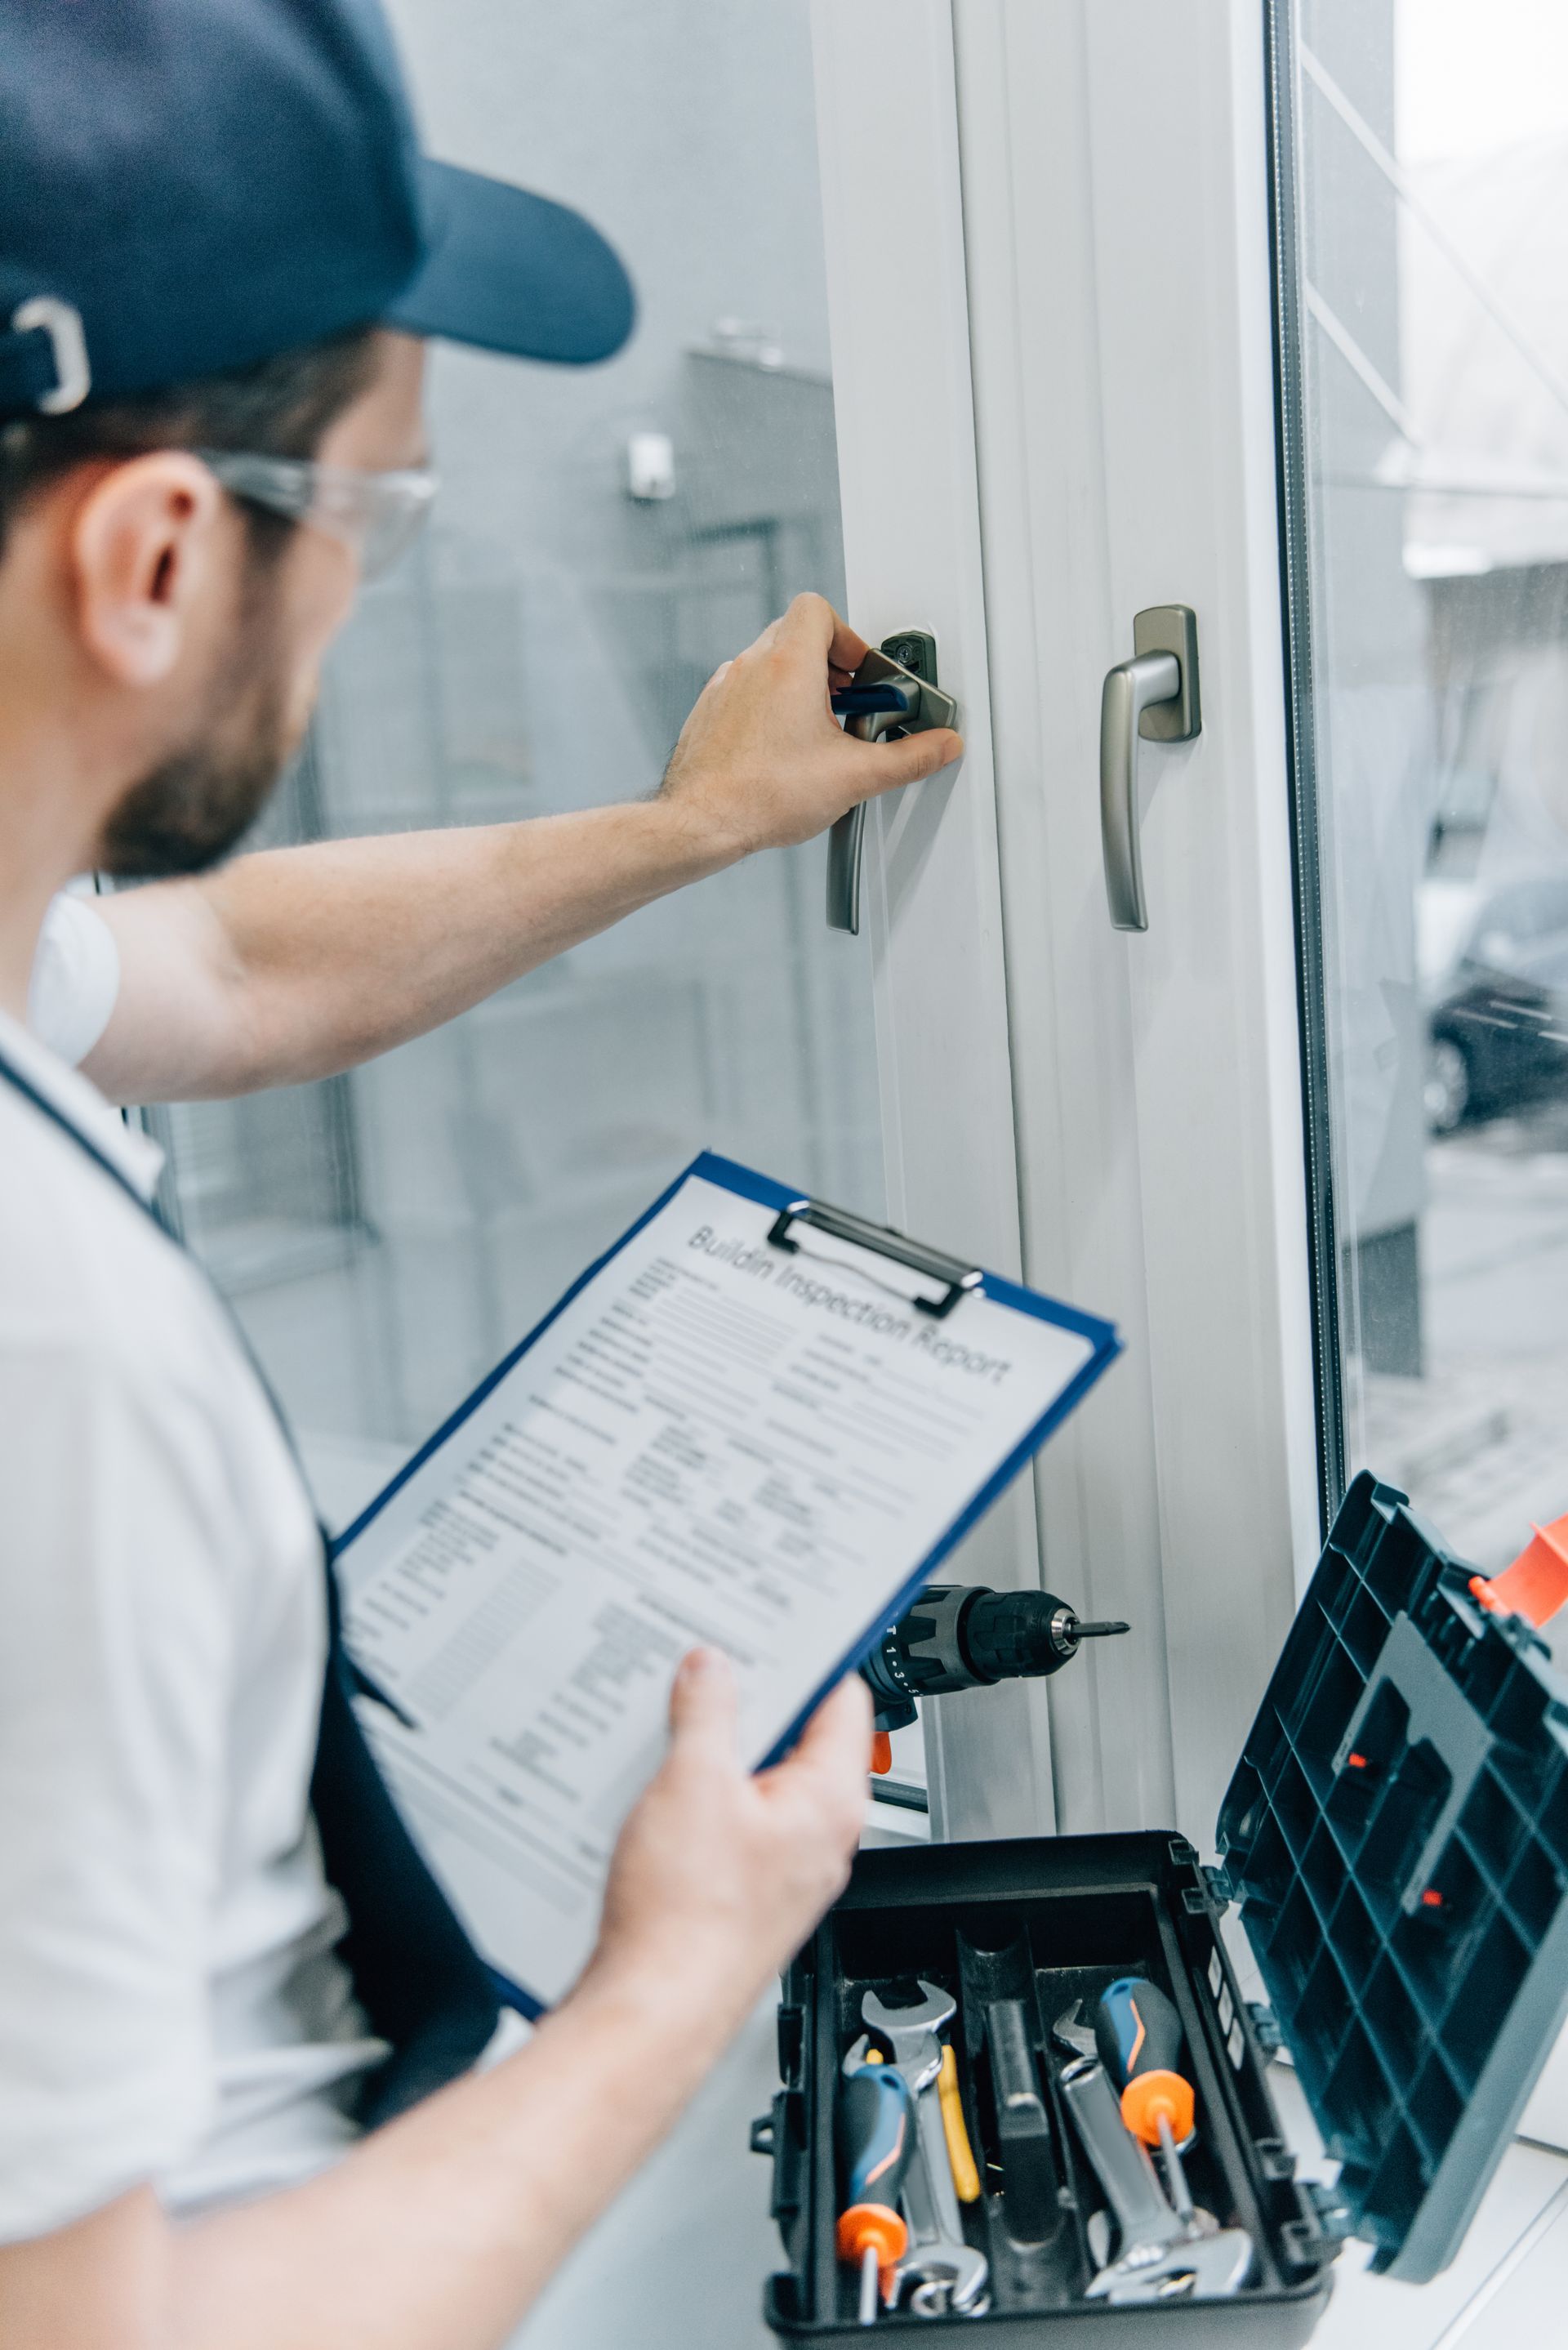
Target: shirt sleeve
(115, 1663)
(75, 978)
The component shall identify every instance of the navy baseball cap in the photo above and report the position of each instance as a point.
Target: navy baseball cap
(190, 186)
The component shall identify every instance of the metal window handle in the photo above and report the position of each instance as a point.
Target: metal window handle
(844, 842)
(1155, 694)
(894, 692)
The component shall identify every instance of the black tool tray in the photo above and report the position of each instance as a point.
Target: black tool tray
(1397, 1837)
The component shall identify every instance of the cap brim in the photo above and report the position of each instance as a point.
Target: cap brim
(512, 272)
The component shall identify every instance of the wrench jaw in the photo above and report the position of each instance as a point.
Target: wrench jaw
(918, 2075)
(1202, 2268)
(936, 2008)
(1071, 2034)
(943, 2281)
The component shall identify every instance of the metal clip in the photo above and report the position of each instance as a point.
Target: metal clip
(880, 1240)
(62, 322)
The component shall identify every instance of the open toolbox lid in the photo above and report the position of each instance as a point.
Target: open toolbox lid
(1397, 1834)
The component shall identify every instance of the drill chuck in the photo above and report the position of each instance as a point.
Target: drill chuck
(962, 1635)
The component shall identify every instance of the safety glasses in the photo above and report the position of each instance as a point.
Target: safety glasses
(375, 516)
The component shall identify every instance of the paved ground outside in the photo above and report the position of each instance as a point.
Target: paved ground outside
(1481, 1442)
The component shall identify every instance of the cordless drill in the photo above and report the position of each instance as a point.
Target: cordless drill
(959, 1636)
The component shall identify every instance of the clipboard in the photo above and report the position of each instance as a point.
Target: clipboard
(804, 1245)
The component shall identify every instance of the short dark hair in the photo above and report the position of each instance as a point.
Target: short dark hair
(281, 407)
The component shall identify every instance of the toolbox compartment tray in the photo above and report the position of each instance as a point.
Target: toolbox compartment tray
(1083, 1910)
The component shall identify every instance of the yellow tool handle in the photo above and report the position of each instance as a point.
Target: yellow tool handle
(966, 2178)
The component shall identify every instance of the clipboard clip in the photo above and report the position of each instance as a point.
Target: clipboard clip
(880, 1240)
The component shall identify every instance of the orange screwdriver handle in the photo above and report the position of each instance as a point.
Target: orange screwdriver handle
(1138, 2033)
(1151, 2099)
(874, 2227)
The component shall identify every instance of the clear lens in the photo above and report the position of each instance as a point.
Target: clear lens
(375, 516)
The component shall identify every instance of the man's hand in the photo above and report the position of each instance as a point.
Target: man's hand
(435, 2232)
(292, 963)
(719, 1874)
(762, 763)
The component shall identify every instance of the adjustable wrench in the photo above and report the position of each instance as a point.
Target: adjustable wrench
(1197, 2268)
(947, 2274)
(1160, 2255)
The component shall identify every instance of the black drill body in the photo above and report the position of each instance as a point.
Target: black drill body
(960, 1636)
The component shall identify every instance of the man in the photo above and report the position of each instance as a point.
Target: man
(221, 1962)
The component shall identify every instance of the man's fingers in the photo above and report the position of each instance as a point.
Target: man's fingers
(911, 758)
(812, 619)
(835, 1744)
(702, 1709)
(848, 648)
(812, 628)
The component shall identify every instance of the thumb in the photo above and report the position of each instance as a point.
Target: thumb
(909, 759)
(703, 1709)
(836, 1744)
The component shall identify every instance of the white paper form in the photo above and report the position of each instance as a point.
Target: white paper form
(714, 1441)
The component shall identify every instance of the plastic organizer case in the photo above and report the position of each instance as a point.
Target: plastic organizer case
(1397, 1837)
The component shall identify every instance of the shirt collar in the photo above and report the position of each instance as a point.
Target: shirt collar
(135, 1154)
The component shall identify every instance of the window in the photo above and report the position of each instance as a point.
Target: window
(1423, 182)
(604, 539)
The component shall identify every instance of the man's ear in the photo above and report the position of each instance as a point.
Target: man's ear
(147, 548)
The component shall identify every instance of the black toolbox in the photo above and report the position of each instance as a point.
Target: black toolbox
(1396, 1837)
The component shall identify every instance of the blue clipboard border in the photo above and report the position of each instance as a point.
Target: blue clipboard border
(747, 1184)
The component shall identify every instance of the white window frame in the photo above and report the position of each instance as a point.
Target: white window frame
(1052, 311)
(893, 224)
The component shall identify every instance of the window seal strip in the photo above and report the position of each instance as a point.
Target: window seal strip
(1301, 746)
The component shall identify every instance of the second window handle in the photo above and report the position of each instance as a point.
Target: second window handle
(1155, 694)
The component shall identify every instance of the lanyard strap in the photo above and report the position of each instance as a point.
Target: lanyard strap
(57, 1116)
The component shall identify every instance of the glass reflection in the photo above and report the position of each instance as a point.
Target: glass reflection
(1434, 194)
(604, 540)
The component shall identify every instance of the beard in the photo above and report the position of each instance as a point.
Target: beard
(188, 811)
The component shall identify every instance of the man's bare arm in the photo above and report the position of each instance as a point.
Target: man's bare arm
(292, 963)
(436, 2232)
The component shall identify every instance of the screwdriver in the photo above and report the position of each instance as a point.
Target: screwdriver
(1138, 2034)
(875, 2141)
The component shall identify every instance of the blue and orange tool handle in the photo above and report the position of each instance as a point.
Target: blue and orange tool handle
(1140, 2037)
(876, 2125)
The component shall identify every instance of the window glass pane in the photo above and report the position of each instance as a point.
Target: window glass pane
(1432, 309)
(387, 1235)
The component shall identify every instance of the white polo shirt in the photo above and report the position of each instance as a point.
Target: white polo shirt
(170, 2006)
